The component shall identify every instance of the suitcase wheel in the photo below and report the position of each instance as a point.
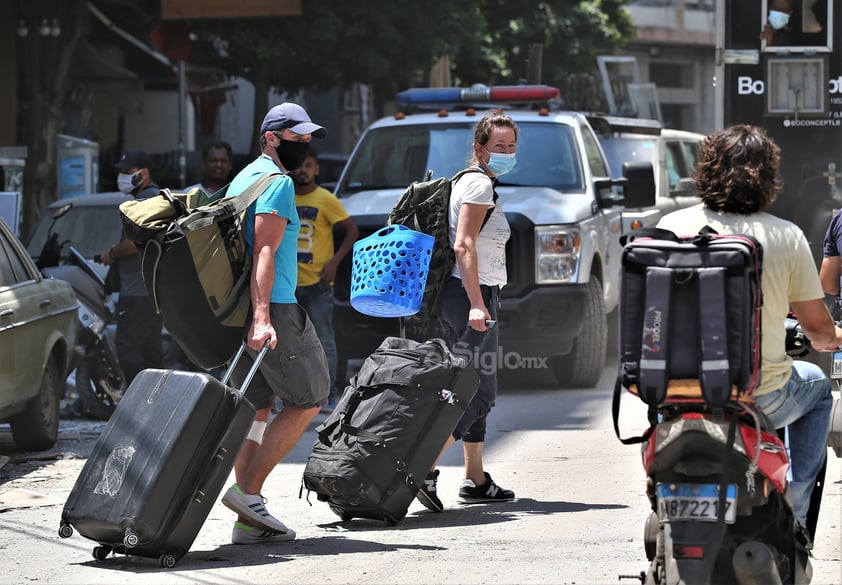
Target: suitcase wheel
(101, 553)
(131, 539)
(167, 561)
(65, 531)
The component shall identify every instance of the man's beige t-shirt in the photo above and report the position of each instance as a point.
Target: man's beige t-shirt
(788, 274)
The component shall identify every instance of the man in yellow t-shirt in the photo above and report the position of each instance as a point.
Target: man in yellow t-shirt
(319, 211)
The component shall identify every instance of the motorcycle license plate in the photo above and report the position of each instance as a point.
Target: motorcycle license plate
(694, 502)
(836, 366)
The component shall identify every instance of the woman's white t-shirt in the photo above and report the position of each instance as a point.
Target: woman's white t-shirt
(476, 189)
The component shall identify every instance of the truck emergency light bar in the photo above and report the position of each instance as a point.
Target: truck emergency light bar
(478, 93)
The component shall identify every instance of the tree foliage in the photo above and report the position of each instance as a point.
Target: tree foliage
(334, 43)
(392, 45)
(572, 33)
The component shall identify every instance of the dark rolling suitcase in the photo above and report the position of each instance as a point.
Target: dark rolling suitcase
(159, 465)
(374, 451)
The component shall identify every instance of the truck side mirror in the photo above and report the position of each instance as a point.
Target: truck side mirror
(638, 184)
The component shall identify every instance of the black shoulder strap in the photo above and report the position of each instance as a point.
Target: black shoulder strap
(615, 414)
(463, 172)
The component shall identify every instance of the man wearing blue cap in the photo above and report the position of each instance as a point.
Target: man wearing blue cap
(295, 368)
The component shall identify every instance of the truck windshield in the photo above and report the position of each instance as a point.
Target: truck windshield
(394, 157)
(619, 150)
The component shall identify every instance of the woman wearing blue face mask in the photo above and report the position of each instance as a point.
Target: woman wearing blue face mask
(478, 233)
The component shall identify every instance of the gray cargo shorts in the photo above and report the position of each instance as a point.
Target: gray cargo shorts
(295, 371)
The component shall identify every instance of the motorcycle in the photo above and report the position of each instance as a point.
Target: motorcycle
(100, 383)
(717, 484)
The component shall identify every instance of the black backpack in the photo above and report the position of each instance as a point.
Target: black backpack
(690, 316)
(425, 207)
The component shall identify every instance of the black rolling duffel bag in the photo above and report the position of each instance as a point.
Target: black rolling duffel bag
(374, 451)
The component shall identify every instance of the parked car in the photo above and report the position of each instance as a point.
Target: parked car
(672, 153)
(38, 326)
(91, 225)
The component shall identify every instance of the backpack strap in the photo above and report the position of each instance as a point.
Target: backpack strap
(465, 171)
(149, 260)
(654, 352)
(229, 205)
(615, 414)
(714, 369)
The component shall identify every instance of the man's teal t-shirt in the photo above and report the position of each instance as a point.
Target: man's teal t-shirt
(278, 199)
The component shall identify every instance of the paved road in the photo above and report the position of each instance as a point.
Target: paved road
(578, 520)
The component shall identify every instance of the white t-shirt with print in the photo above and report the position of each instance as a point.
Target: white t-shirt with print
(476, 189)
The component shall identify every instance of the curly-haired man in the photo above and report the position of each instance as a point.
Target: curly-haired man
(736, 180)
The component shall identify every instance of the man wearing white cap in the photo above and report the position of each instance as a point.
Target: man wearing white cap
(295, 368)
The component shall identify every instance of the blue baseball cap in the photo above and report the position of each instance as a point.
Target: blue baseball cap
(293, 117)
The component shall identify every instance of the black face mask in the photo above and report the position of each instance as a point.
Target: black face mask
(292, 154)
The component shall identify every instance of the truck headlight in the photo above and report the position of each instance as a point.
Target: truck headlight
(556, 254)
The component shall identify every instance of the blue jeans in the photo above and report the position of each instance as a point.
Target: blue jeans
(317, 300)
(803, 405)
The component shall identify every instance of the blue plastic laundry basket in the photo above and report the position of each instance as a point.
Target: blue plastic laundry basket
(389, 272)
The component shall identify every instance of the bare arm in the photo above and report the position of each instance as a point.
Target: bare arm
(117, 251)
(351, 234)
(471, 217)
(829, 274)
(817, 324)
(268, 232)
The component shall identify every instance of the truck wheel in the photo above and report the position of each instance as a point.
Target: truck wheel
(582, 367)
(36, 428)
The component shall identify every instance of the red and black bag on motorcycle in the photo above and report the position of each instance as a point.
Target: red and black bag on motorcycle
(690, 316)
(690, 321)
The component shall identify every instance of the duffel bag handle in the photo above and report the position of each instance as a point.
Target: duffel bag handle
(649, 232)
(703, 237)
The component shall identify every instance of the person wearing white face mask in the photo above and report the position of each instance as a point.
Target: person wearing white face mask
(478, 233)
(139, 340)
(778, 30)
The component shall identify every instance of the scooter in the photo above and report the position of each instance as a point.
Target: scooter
(721, 508)
(100, 383)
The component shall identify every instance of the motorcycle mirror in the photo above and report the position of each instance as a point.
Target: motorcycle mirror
(62, 210)
(76, 257)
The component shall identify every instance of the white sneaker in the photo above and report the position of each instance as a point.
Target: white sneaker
(245, 534)
(253, 507)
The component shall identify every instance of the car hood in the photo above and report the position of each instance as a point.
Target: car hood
(541, 205)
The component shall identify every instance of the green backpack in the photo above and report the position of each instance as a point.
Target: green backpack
(425, 207)
(196, 268)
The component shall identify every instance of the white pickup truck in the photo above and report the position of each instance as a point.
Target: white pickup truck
(563, 205)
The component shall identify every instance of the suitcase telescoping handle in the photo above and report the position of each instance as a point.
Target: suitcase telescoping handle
(254, 366)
